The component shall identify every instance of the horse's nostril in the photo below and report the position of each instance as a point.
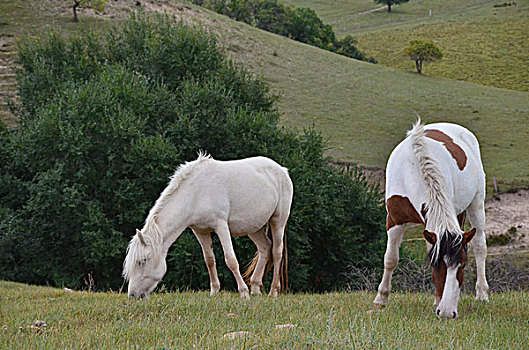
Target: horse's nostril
(438, 312)
(454, 315)
(142, 295)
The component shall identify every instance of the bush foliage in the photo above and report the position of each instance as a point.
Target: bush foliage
(105, 120)
(301, 24)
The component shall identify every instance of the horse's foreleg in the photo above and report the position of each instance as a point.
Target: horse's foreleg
(476, 216)
(204, 238)
(223, 232)
(263, 244)
(391, 259)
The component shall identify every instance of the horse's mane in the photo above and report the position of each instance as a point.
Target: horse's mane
(151, 232)
(442, 218)
(181, 173)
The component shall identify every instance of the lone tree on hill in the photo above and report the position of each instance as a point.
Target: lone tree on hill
(390, 3)
(95, 4)
(422, 51)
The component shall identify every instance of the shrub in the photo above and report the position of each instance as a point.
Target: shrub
(347, 47)
(106, 121)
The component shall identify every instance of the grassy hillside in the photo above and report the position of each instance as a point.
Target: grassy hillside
(85, 320)
(347, 16)
(481, 43)
(362, 109)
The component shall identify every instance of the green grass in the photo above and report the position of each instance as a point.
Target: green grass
(194, 319)
(338, 13)
(363, 109)
(486, 46)
(349, 16)
(481, 44)
(31, 17)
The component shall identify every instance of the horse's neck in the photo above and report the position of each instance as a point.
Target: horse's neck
(172, 221)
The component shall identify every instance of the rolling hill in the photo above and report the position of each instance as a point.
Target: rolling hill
(362, 109)
(484, 42)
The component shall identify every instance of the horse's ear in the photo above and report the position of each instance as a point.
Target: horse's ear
(430, 237)
(467, 236)
(140, 236)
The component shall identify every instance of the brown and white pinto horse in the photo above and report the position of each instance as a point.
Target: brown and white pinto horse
(433, 177)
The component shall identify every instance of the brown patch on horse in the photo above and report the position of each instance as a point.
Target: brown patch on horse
(401, 211)
(439, 279)
(455, 150)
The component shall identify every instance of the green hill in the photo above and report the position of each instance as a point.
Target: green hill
(362, 109)
(483, 42)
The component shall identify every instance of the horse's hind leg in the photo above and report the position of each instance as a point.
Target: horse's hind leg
(278, 231)
(263, 244)
(204, 238)
(476, 216)
(223, 232)
(391, 259)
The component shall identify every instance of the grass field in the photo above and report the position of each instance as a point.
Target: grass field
(481, 43)
(348, 16)
(84, 320)
(362, 109)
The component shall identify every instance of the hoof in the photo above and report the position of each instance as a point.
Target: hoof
(245, 295)
(482, 297)
(256, 290)
(375, 308)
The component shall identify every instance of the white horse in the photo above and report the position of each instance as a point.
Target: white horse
(434, 177)
(232, 198)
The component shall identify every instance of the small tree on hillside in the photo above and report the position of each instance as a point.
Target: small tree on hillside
(390, 3)
(422, 51)
(95, 4)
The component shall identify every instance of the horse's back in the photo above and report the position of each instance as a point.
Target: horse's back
(456, 151)
(245, 192)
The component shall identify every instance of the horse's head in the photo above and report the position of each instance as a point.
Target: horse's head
(448, 260)
(144, 266)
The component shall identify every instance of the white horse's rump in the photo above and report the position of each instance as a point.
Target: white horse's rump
(231, 198)
(434, 177)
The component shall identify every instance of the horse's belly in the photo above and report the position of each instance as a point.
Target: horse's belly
(240, 226)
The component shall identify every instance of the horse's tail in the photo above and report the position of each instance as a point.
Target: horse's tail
(253, 263)
(283, 267)
(441, 211)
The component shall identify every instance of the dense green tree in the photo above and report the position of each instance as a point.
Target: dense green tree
(422, 51)
(106, 119)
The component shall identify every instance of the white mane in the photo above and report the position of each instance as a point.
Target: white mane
(442, 217)
(151, 232)
(181, 173)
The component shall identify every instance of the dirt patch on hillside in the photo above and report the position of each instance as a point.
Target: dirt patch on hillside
(508, 215)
